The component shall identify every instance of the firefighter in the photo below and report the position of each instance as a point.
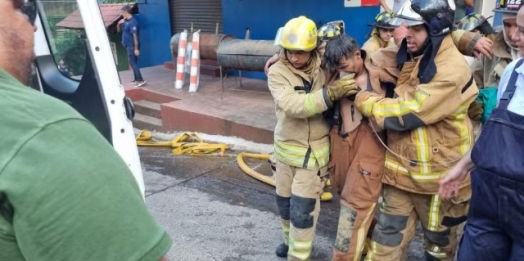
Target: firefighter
(468, 43)
(357, 155)
(301, 135)
(382, 35)
(325, 33)
(489, 70)
(330, 30)
(504, 50)
(477, 23)
(427, 132)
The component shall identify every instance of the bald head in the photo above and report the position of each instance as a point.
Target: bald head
(17, 41)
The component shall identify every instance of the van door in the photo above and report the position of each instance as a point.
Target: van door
(74, 63)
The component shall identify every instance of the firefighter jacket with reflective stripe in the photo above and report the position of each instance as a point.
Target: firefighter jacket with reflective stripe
(301, 133)
(427, 125)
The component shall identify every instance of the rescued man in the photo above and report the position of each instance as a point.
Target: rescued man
(357, 154)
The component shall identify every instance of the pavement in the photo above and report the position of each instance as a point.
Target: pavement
(213, 211)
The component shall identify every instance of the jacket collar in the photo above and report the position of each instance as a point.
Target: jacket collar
(382, 69)
(427, 67)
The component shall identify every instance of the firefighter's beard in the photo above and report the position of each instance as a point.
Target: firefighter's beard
(19, 54)
(25, 70)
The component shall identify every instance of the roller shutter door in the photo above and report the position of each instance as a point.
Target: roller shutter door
(204, 14)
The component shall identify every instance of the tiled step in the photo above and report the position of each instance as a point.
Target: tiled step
(145, 122)
(148, 108)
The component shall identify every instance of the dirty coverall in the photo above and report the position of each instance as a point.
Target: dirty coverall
(428, 129)
(357, 165)
(301, 148)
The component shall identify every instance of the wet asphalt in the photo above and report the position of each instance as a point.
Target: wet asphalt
(213, 211)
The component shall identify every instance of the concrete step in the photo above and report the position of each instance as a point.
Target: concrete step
(148, 108)
(144, 122)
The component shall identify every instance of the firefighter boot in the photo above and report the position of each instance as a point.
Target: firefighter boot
(282, 250)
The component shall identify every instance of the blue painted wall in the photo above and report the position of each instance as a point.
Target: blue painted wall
(155, 32)
(266, 16)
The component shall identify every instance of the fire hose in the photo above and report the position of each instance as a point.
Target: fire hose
(325, 196)
(190, 143)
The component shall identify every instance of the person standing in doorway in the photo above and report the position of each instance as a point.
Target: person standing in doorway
(130, 39)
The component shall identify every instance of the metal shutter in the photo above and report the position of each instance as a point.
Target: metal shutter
(204, 14)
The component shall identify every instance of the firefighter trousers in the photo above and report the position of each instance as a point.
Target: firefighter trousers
(298, 200)
(397, 219)
(357, 164)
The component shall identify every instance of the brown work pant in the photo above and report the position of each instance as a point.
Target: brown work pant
(298, 201)
(397, 220)
(357, 164)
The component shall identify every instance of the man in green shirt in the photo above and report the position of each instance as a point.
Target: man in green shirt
(65, 194)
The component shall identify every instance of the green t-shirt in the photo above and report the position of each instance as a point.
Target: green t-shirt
(65, 194)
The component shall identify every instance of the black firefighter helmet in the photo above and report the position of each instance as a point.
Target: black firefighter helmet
(383, 20)
(437, 15)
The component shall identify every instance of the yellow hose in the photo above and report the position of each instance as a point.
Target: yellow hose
(190, 143)
(325, 196)
(186, 143)
(249, 171)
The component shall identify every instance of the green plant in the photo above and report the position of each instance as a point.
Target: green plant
(71, 47)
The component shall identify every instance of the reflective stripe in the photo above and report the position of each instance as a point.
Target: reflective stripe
(285, 230)
(292, 155)
(295, 155)
(458, 120)
(423, 150)
(372, 252)
(300, 250)
(322, 155)
(287, 159)
(371, 107)
(310, 105)
(436, 253)
(362, 233)
(433, 225)
(434, 212)
(367, 105)
(420, 177)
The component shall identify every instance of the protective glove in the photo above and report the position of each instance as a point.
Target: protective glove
(475, 110)
(342, 87)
